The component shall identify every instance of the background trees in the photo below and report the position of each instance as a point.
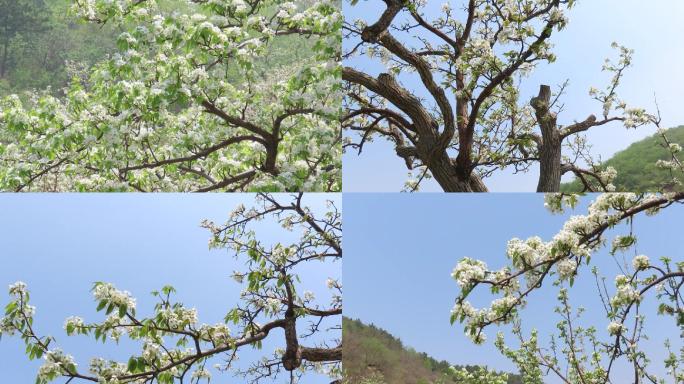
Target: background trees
(469, 61)
(22, 17)
(373, 355)
(176, 347)
(637, 166)
(213, 96)
(52, 48)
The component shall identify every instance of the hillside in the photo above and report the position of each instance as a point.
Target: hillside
(636, 165)
(372, 352)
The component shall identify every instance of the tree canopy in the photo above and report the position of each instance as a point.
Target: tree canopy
(217, 95)
(175, 347)
(449, 100)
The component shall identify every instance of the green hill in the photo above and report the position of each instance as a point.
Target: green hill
(636, 167)
(372, 355)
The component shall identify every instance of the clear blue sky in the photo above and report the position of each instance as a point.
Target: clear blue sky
(59, 244)
(400, 251)
(652, 28)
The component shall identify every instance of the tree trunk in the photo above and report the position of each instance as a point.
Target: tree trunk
(550, 147)
(292, 358)
(550, 165)
(451, 180)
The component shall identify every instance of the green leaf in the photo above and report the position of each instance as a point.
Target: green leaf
(101, 305)
(132, 364)
(10, 307)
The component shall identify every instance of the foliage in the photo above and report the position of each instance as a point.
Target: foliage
(176, 347)
(373, 356)
(579, 353)
(184, 104)
(636, 166)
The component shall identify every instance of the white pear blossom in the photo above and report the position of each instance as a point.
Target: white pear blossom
(640, 262)
(615, 328)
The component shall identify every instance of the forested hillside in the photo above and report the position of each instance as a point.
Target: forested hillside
(372, 355)
(44, 45)
(636, 165)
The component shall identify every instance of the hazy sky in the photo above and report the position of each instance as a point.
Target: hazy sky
(401, 249)
(60, 244)
(652, 28)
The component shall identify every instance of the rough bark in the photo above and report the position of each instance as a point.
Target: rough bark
(550, 146)
(430, 144)
(452, 179)
(449, 176)
(321, 354)
(292, 358)
(295, 353)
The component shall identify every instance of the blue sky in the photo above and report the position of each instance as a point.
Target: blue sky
(651, 28)
(400, 251)
(59, 244)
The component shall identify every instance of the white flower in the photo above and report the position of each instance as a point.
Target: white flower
(464, 308)
(621, 280)
(73, 321)
(55, 363)
(640, 262)
(273, 305)
(526, 253)
(502, 305)
(18, 288)
(608, 175)
(218, 333)
(614, 328)
(566, 268)
(625, 296)
(469, 270)
(201, 373)
(198, 17)
(309, 296)
(477, 338)
(107, 293)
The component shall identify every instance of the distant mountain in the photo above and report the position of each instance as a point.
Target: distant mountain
(370, 352)
(636, 165)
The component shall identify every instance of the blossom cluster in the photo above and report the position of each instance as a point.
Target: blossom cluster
(106, 293)
(179, 317)
(468, 271)
(533, 258)
(56, 363)
(18, 312)
(626, 293)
